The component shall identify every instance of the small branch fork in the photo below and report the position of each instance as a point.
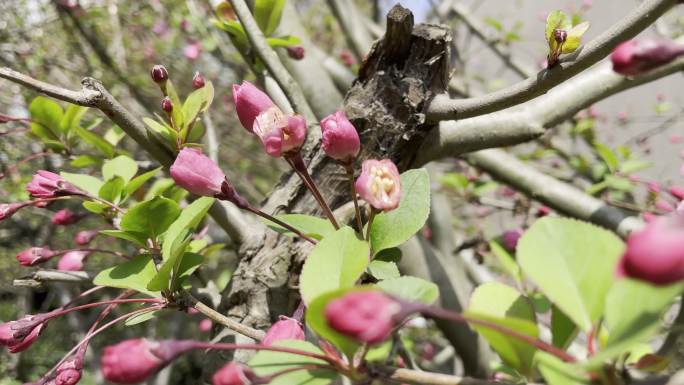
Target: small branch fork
(443, 107)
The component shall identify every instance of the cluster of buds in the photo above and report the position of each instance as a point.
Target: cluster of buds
(656, 253)
(635, 57)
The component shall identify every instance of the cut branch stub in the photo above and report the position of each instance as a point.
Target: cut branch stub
(401, 74)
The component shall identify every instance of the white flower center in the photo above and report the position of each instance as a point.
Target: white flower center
(382, 185)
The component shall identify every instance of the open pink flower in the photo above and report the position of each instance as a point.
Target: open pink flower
(340, 139)
(196, 173)
(234, 374)
(279, 133)
(367, 316)
(656, 253)
(46, 184)
(285, 329)
(635, 57)
(379, 184)
(249, 103)
(72, 260)
(35, 255)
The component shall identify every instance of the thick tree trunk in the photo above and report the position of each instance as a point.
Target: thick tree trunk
(387, 102)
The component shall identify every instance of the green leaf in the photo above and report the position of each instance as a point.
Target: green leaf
(84, 161)
(633, 312)
(573, 263)
(265, 363)
(87, 183)
(412, 289)
(557, 372)
(111, 190)
(177, 112)
(283, 41)
(95, 140)
(95, 207)
(383, 269)
(140, 318)
(609, 157)
(197, 102)
(504, 302)
(267, 14)
(563, 330)
(189, 262)
(335, 262)
(395, 227)
(506, 261)
(176, 240)
(122, 165)
(137, 238)
(151, 217)
(632, 166)
(46, 115)
(309, 225)
(315, 318)
(138, 181)
(556, 20)
(574, 39)
(72, 117)
(133, 274)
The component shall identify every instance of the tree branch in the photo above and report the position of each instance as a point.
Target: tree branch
(416, 377)
(443, 107)
(39, 277)
(530, 120)
(351, 22)
(271, 60)
(562, 197)
(480, 30)
(95, 95)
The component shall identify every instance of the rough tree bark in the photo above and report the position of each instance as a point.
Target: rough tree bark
(387, 104)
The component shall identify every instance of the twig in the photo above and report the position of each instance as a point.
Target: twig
(38, 277)
(443, 107)
(560, 196)
(352, 25)
(219, 318)
(271, 60)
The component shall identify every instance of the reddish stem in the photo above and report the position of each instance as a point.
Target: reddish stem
(298, 165)
(11, 169)
(60, 312)
(228, 346)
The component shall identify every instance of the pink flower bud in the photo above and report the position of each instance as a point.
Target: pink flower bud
(340, 139)
(8, 209)
(635, 57)
(65, 217)
(192, 50)
(675, 138)
(379, 184)
(347, 58)
(663, 205)
(205, 325)
(367, 316)
(167, 104)
(235, 374)
(84, 237)
(46, 184)
(653, 187)
(19, 335)
(72, 261)
(295, 52)
(198, 81)
(249, 103)
(656, 253)
(285, 329)
(196, 173)
(135, 360)
(35, 256)
(280, 134)
(677, 192)
(543, 211)
(510, 238)
(69, 372)
(159, 74)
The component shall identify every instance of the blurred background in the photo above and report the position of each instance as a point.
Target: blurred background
(118, 41)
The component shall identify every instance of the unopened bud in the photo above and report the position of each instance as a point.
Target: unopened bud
(296, 52)
(366, 316)
(197, 81)
(560, 35)
(159, 74)
(166, 104)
